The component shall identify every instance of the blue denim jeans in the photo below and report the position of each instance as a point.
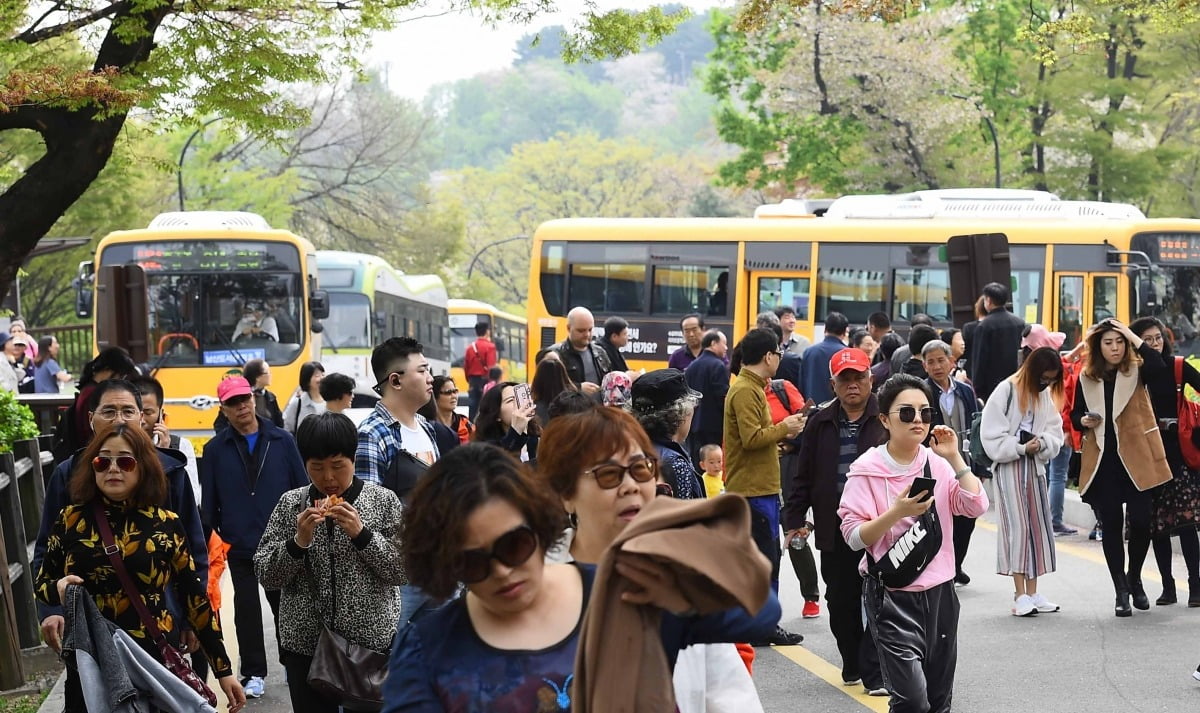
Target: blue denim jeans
(1057, 475)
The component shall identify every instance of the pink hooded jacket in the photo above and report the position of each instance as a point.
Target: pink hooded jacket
(871, 487)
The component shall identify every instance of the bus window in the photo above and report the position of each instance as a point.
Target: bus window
(778, 291)
(553, 277)
(681, 289)
(349, 323)
(1026, 295)
(1070, 308)
(1104, 298)
(853, 280)
(608, 289)
(921, 291)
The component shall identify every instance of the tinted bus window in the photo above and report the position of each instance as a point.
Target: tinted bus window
(681, 289)
(608, 289)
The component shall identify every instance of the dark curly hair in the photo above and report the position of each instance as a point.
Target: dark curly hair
(455, 486)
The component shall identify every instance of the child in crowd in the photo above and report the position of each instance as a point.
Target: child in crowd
(495, 375)
(712, 460)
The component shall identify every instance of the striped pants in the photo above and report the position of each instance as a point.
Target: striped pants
(1025, 544)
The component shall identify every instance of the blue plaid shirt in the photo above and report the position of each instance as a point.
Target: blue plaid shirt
(379, 441)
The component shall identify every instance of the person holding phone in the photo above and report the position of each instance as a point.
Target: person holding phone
(1120, 462)
(504, 422)
(916, 626)
(1026, 403)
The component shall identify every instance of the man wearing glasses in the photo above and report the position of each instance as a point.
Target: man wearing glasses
(117, 400)
(752, 455)
(692, 326)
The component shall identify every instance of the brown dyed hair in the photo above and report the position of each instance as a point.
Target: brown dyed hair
(576, 441)
(1028, 379)
(152, 481)
(455, 486)
(1096, 367)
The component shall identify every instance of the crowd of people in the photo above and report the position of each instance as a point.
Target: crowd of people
(426, 560)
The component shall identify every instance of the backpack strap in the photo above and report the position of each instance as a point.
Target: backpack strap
(780, 391)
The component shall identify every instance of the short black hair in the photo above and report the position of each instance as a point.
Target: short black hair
(997, 293)
(307, 369)
(252, 370)
(890, 343)
(947, 334)
(879, 320)
(898, 384)
(757, 344)
(385, 356)
(836, 323)
(326, 434)
(568, 402)
(614, 326)
(918, 337)
(334, 386)
(921, 318)
(113, 385)
(114, 359)
(785, 309)
(710, 338)
(857, 336)
(481, 328)
(693, 315)
(147, 385)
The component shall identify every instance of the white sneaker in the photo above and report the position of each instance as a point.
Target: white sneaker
(255, 687)
(878, 692)
(1196, 674)
(1024, 606)
(1044, 605)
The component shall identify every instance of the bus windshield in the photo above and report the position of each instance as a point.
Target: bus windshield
(349, 323)
(219, 303)
(1178, 295)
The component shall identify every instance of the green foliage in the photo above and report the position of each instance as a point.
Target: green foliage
(16, 421)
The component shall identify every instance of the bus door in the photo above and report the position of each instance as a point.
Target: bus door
(772, 288)
(1083, 299)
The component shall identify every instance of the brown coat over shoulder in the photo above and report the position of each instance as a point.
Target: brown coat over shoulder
(1139, 444)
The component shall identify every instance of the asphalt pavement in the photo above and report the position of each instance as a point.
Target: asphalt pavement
(1080, 659)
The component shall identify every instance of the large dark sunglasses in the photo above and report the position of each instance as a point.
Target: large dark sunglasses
(126, 464)
(610, 475)
(908, 414)
(512, 549)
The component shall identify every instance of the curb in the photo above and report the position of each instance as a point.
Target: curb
(57, 699)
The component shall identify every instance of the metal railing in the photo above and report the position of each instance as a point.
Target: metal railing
(23, 474)
(74, 345)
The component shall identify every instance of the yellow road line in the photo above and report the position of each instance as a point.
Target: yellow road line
(832, 675)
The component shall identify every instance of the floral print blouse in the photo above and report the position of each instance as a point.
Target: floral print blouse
(155, 553)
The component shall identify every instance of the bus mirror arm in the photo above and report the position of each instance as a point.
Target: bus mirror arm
(318, 305)
(317, 328)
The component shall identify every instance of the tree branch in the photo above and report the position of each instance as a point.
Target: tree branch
(33, 36)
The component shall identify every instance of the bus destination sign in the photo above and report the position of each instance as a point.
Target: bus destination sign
(1179, 248)
(203, 257)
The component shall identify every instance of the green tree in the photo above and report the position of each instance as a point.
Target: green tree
(181, 60)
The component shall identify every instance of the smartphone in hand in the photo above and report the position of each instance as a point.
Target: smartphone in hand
(522, 396)
(922, 485)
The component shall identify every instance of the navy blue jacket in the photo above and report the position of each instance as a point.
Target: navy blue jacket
(241, 489)
(964, 394)
(709, 375)
(814, 371)
(180, 500)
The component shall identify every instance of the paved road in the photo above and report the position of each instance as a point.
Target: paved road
(1081, 659)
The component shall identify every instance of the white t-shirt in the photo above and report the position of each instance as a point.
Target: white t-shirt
(416, 442)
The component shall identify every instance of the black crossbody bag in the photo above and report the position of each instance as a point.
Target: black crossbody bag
(912, 552)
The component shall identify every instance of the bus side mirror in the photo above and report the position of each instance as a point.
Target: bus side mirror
(83, 288)
(318, 305)
(380, 320)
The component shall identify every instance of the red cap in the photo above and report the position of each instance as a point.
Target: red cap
(851, 358)
(232, 387)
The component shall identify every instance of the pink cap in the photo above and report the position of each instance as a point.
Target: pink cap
(850, 358)
(1039, 337)
(232, 387)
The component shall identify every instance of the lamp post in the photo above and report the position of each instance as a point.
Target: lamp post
(183, 154)
(987, 118)
(485, 248)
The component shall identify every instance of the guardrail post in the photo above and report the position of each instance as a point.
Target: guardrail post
(17, 550)
(32, 486)
(12, 672)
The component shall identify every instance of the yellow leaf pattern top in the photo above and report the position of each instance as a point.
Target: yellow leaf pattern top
(154, 551)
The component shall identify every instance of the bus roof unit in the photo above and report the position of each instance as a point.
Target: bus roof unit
(227, 219)
(976, 203)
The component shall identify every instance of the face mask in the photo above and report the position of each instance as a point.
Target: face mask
(1042, 386)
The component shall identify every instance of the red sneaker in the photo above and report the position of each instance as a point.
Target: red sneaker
(812, 610)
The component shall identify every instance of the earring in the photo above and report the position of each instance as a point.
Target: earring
(573, 520)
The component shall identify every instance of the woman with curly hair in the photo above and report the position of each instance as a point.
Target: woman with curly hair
(663, 404)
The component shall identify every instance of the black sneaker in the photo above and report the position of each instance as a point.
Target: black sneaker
(781, 637)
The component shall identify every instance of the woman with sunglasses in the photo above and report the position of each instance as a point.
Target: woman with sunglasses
(1021, 430)
(1177, 502)
(441, 409)
(337, 566)
(915, 627)
(1119, 463)
(603, 499)
(501, 423)
(119, 474)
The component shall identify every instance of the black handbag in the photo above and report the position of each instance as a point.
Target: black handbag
(912, 552)
(403, 473)
(342, 671)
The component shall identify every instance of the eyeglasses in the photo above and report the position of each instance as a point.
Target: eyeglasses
(126, 464)
(1154, 338)
(610, 475)
(512, 549)
(452, 392)
(908, 414)
(110, 413)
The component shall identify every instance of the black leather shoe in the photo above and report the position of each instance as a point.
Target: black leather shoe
(1138, 592)
(961, 577)
(1168, 595)
(1194, 591)
(1122, 606)
(783, 637)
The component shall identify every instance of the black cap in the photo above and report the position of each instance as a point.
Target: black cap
(660, 388)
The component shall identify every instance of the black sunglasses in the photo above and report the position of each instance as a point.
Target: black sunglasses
(610, 475)
(512, 549)
(125, 464)
(908, 414)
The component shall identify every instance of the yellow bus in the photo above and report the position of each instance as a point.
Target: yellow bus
(508, 332)
(1073, 263)
(186, 283)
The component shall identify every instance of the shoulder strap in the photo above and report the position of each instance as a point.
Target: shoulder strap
(1179, 374)
(118, 563)
(780, 392)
